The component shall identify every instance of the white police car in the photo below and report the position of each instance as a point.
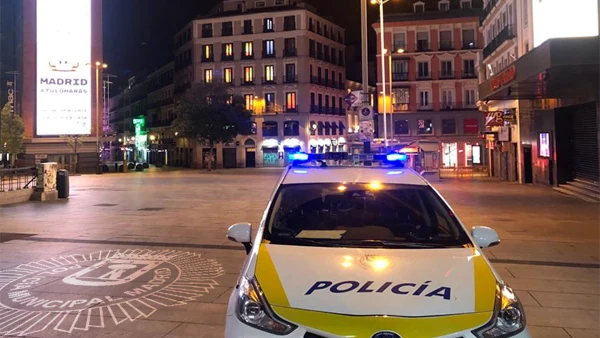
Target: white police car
(371, 252)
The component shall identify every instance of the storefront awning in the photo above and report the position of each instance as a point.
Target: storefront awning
(558, 68)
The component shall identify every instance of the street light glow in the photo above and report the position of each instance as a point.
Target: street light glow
(98, 63)
(400, 50)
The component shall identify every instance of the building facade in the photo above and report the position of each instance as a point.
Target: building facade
(545, 80)
(432, 57)
(286, 61)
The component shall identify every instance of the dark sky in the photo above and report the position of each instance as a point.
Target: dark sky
(138, 33)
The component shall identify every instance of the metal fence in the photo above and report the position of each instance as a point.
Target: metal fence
(18, 179)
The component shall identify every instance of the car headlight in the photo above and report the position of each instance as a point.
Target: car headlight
(508, 319)
(253, 309)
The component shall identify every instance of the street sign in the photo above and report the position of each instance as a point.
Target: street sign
(366, 131)
(351, 99)
(366, 113)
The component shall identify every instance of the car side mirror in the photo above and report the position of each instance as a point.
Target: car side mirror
(241, 233)
(485, 237)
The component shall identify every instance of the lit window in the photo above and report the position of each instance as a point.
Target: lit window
(228, 49)
(270, 73)
(269, 47)
(208, 52)
(208, 76)
(248, 49)
(248, 74)
(249, 99)
(268, 25)
(290, 101)
(228, 75)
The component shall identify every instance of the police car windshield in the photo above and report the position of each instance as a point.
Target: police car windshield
(362, 215)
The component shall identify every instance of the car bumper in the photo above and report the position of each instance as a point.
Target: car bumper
(236, 329)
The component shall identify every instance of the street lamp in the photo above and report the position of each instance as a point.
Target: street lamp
(381, 33)
(99, 65)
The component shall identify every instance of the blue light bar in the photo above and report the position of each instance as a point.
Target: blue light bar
(298, 157)
(393, 157)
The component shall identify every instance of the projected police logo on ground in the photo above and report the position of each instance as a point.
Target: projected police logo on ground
(80, 292)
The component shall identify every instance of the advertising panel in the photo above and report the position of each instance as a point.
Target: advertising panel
(544, 145)
(63, 91)
(564, 19)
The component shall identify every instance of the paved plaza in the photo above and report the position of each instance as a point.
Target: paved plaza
(57, 284)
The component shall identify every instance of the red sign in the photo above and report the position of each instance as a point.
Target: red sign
(494, 119)
(503, 78)
(471, 126)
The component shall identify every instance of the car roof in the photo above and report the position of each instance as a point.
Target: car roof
(360, 174)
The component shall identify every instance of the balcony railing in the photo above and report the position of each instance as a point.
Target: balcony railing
(446, 45)
(227, 32)
(230, 83)
(267, 55)
(206, 33)
(267, 29)
(403, 76)
(290, 52)
(425, 107)
(225, 57)
(447, 74)
(454, 105)
(489, 7)
(423, 46)
(469, 75)
(400, 106)
(312, 53)
(398, 46)
(247, 82)
(469, 45)
(208, 59)
(424, 76)
(506, 34)
(291, 109)
(272, 80)
(290, 79)
(320, 54)
(247, 30)
(315, 80)
(247, 56)
(289, 26)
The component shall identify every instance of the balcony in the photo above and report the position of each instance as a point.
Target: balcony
(469, 45)
(267, 29)
(423, 76)
(230, 83)
(425, 107)
(312, 53)
(267, 55)
(506, 34)
(247, 30)
(290, 52)
(272, 109)
(289, 26)
(208, 59)
(290, 78)
(247, 82)
(400, 106)
(207, 33)
(398, 46)
(270, 81)
(316, 109)
(400, 76)
(247, 56)
(227, 32)
(291, 109)
(320, 55)
(423, 46)
(446, 45)
(491, 4)
(225, 57)
(315, 80)
(447, 74)
(452, 105)
(469, 74)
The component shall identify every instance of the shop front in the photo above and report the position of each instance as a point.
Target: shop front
(555, 95)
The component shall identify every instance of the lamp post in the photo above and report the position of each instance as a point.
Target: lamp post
(99, 65)
(382, 39)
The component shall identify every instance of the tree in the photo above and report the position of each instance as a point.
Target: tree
(11, 136)
(75, 142)
(211, 114)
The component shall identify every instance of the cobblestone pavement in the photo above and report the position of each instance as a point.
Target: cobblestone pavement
(177, 220)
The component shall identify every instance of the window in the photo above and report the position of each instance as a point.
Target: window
(290, 71)
(269, 74)
(249, 99)
(320, 97)
(207, 53)
(333, 105)
(289, 23)
(422, 41)
(269, 48)
(341, 105)
(227, 53)
(446, 69)
(327, 103)
(228, 75)
(446, 40)
(312, 101)
(470, 98)
(419, 7)
(291, 128)
(208, 76)
(311, 25)
(326, 77)
(465, 3)
(269, 128)
(248, 49)
(290, 101)
(269, 102)
(340, 58)
(268, 25)
(248, 75)
(448, 126)
(279, 2)
(423, 99)
(319, 75)
(446, 102)
(525, 14)
(289, 45)
(444, 6)
(207, 31)
(400, 99)
(260, 4)
(340, 83)
(227, 28)
(469, 68)
(423, 70)
(468, 38)
(247, 26)
(424, 127)
(401, 127)
(312, 49)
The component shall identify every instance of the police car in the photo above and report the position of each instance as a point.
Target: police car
(367, 251)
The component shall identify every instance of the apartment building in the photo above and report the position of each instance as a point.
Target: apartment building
(432, 58)
(288, 64)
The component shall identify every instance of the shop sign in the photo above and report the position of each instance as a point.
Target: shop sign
(366, 113)
(504, 134)
(503, 78)
(11, 96)
(494, 119)
(471, 126)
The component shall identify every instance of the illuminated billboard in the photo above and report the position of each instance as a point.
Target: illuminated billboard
(564, 19)
(63, 91)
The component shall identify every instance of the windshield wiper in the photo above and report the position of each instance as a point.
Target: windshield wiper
(387, 244)
(301, 241)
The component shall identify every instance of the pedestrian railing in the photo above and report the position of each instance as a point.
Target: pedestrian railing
(464, 172)
(18, 179)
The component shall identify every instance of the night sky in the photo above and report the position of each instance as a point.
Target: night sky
(138, 33)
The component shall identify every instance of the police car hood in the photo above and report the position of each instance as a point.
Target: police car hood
(394, 282)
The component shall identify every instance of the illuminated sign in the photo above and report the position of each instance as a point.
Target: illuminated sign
(564, 19)
(503, 78)
(63, 90)
(544, 145)
(11, 96)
